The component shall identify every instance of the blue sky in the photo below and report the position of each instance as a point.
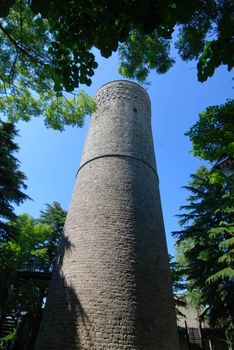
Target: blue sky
(50, 159)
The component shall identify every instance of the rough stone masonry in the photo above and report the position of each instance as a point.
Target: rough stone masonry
(111, 289)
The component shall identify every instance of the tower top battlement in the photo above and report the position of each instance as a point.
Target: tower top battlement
(122, 89)
(121, 125)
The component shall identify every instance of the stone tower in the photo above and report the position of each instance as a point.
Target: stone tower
(111, 289)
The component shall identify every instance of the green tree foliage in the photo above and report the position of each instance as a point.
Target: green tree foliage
(26, 252)
(207, 229)
(29, 80)
(178, 284)
(12, 180)
(71, 29)
(54, 216)
(46, 47)
(142, 53)
(213, 134)
(34, 249)
(205, 34)
(205, 242)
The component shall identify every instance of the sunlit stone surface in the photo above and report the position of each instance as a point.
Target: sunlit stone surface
(111, 289)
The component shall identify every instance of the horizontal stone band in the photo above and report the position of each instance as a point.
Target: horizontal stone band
(118, 155)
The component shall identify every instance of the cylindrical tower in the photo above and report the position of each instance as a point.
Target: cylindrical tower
(111, 289)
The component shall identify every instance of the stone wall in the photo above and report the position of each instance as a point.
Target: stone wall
(112, 290)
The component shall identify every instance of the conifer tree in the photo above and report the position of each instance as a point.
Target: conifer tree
(54, 216)
(208, 227)
(12, 180)
(206, 239)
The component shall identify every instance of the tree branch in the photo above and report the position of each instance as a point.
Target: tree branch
(14, 42)
(19, 47)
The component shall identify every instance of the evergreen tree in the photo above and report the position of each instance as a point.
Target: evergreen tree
(12, 180)
(54, 216)
(178, 284)
(207, 228)
(205, 242)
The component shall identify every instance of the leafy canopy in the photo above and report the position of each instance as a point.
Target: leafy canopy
(204, 33)
(46, 48)
(213, 134)
(28, 250)
(33, 249)
(29, 83)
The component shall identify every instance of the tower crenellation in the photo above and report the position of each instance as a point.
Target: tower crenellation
(122, 90)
